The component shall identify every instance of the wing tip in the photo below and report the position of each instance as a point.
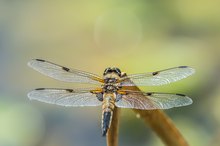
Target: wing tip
(30, 63)
(29, 95)
(34, 60)
(192, 70)
(188, 101)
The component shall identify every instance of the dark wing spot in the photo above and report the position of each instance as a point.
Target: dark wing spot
(155, 73)
(65, 68)
(149, 93)
(40, 89)
(40, 60)
(183, 66)
(181, 94)
(69, 90)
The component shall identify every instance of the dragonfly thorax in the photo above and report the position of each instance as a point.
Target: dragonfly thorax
(111, 77)
(110, 87)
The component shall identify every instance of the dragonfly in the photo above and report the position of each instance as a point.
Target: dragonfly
(111, 90)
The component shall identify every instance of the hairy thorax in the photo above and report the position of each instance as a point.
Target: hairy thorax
(111, 85)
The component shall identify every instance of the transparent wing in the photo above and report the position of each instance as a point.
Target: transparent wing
(65, 97)
(158, 78)
(63, 73)
(147, 101)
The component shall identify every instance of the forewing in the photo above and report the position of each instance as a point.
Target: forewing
(63, 73)
(157, 78)
(65, 97)
(148, 101)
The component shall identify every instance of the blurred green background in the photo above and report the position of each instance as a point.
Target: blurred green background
(136, 36)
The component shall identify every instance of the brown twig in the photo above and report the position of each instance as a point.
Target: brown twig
(163, 126)
(112, 135)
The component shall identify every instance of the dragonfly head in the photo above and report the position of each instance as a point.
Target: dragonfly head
(110, 70)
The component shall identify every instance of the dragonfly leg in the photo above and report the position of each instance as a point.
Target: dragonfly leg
(99, 96)
(118, 97)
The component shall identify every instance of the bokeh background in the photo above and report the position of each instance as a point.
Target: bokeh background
(136, 36)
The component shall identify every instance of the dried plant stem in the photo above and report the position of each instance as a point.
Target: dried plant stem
(112, 135)
(163, 126)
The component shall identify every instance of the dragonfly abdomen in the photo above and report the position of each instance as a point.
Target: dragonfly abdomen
(107, 113)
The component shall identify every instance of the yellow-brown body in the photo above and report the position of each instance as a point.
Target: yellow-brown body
(109, 90)
(108, 106)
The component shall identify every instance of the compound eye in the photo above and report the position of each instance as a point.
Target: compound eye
(107, 70)
(118, 71)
